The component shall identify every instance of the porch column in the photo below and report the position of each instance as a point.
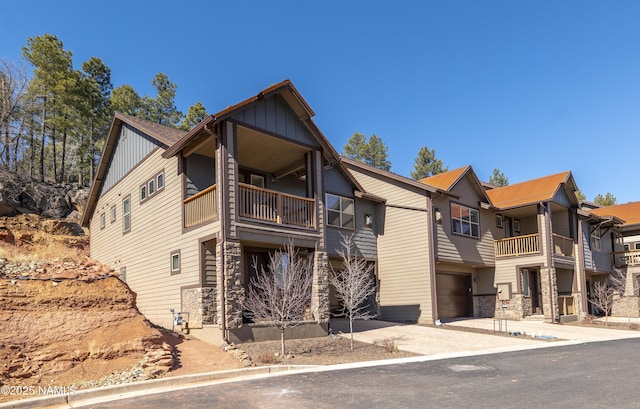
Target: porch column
(549, 287)
(232, 284)
(320, 287)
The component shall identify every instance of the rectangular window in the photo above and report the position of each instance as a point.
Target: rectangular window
(526, 290)
(596, 239)
(123, 274)
(465, 220)
(113, 213)
(340, 211)
(257, 181)
(143, 192)
(626, 247)
(126, 214)
(102, 221)
(175, 262)
(637, 246)
(152, 188)
(160, 180)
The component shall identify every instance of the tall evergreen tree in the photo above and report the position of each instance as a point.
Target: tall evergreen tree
(498, 178)
(162, 108)
(195, 115)
(607, 200)
(125, 99)
(372, 152)
(426, 164)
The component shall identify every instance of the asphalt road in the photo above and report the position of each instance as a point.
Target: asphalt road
(594, 375)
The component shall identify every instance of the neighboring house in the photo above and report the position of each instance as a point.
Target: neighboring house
(625, 254)
(189, 218)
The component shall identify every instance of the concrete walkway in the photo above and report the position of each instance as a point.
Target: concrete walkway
(430, 340)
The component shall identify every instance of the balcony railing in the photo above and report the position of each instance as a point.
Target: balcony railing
(276, 207)
(518, 246)
(200, 207)
(566, 304)
(562, 245)
(626, 258)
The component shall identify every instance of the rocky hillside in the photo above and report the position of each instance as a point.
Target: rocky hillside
(23, 195)
(66, 319)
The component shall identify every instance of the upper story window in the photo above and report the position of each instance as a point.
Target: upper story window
(465, 220)
(102, 221)
(340, 211)
(596, 239)
(113, 213)
(152, 186)
(126, 214)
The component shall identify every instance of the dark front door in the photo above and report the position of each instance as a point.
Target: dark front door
(536, 296)
(454, 295)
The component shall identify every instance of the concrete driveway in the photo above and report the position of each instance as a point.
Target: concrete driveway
(432, 340)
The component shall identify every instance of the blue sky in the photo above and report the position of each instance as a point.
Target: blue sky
(530, 87)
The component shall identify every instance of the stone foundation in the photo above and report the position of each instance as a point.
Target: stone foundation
(625, 307)
(234, 292)
(484, 306)
(200, 303)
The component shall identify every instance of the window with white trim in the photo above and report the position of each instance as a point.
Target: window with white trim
(465, 220)
(596, 239)
(340, 211)
(126, 214)
(102, 221)
(175, 262)
(113, 213)
(160, 180)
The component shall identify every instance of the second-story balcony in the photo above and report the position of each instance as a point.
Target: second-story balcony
(626, 258)
(518, 246)
(562, 246)
(276, 207)
(200, 207)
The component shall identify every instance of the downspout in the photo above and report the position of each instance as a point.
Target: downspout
(223, 235)
(550, 263)
(432, 257)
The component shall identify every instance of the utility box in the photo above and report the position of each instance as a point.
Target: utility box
(504, 292)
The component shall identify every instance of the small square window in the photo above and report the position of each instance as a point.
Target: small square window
(499, 221)
(257, 181)
(368, 221)
(637, 246)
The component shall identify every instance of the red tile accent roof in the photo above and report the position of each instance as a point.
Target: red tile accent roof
(529, 192)
(629, 212)
(445, 180)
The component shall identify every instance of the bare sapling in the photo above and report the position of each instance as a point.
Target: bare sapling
(279, 295)
(354, 284)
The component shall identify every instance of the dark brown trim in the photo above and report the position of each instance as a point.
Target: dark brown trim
(479, 237)
(519, 268)
(171, 269)
(432, 257)
(201, 263)
(156, 191)
(269, 133)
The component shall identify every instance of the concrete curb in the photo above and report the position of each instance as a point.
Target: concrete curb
(115, 392)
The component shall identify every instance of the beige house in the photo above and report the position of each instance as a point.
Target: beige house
(186, 217)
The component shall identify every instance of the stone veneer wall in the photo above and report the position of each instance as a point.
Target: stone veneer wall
(513, 311)
(549, 293)
(320, 288)
(625, 307)
(484, 306)
(200, 303)
(234, 292)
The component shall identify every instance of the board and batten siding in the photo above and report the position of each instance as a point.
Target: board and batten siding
(364, 238)
(131, 148)
(561, 225)
(404, 251)
(458, 248)
(156, 232)
(273, 114)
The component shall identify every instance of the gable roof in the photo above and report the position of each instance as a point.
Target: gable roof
(166, 136)
(629, 212)
(398, 178)
(529, 192)
(288, 92)
(446, 180)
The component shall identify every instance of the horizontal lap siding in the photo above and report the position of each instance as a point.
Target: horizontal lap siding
(403, 248)
(156, 231)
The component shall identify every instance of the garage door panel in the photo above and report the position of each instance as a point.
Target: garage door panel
(453, 295)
